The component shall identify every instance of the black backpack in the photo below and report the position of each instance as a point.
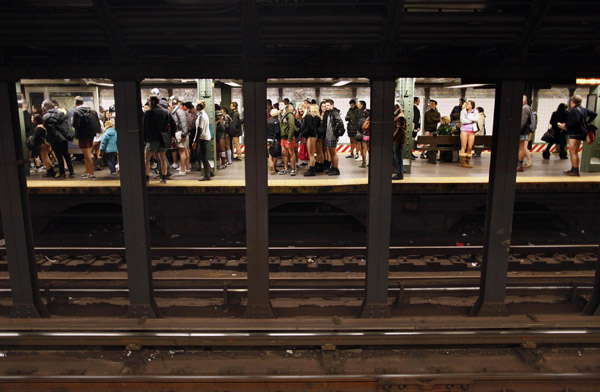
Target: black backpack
(92, 123)
(57, 123)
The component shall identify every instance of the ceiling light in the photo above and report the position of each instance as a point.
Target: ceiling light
(588, 81)
(469, 85)
(341, 83)
(233, 84)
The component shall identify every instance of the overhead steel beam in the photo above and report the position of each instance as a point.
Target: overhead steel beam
(532, 25)
(257, 200)
(118, 49)
(501, 199)
(380, 198)
(14, 207)
(134, 199)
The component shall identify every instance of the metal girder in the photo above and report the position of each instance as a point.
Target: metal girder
(134, 199)
(406, 94)
(16, 215)
(118, 49)
(392, 25)
(257, 200)
(532, 26)
(501, 199)
(380, 198)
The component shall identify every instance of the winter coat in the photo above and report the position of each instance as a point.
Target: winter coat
(576, 120)
(352, 116)
(202, 127)
(55, 122)
(156, 124)
(273, 130)
(109, 141)
(432, 118)
(237, 123)
(337, 125)
(481, 124)
(525, 115)
(399, 129)
(287, 123)
(467, 119)
(180, 119)
(310, 125)
(83, 130)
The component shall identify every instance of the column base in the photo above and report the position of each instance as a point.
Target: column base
(147, 311)
(489, 309)
(375, 311)
(29, 311)
(260, 311)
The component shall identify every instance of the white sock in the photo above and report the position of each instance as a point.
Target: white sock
(229, 156)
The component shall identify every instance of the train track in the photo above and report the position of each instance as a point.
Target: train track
(282, 259)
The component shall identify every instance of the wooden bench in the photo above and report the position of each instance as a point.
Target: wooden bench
(450, 143)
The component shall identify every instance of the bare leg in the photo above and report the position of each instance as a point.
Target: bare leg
(574, 152)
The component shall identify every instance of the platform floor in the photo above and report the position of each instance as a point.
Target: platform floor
(422, 172)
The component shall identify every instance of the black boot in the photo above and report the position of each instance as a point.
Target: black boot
(546, 153)
(319, 168)
(49, 172)
(311, 172)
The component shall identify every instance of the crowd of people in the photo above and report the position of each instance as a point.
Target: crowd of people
(178, 134)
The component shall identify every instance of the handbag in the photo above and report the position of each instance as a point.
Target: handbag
(590, 137)
(303, 153)
(549, 136)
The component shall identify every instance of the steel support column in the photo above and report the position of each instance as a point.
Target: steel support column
(380, 198)
(501, 199)
(16, 216)
(257, 200)
(134, 199)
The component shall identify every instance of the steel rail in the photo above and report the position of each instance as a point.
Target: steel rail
(317, 338)
(315, 251)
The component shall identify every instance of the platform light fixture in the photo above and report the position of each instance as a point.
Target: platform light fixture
(588, 81)
(473, 85)
(341, 83)
(233, 84)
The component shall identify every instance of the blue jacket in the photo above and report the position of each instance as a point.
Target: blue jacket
(109, 141)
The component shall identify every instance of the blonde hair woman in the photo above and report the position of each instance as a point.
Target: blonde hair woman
(310, 126)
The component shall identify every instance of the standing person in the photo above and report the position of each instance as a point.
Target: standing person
(302, 149)
(156, 123)
(192, 115)
(29, 129)
(310, 129)
(322, 154)
(366, 130)
(416, 122)
(524, 156)
(468, 120)
(362, 106)
(235, 137)
(399, 141)
(352, 116)
(221, 139)
(287, 123)
(181, 136)
(108, 147)
(334, 129)
(273, 140)
(87, 125)
(575, 126)
(58, 133)
(202, 139)
(41, 146)
(458, 108)
(560, 135)
(481, 126)
(431, 121)
(269, 108)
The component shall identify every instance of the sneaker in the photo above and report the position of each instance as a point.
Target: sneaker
(229, 163)
(154, 165)
(40, 169)
(520, 169)
(163, 180)
(397, 177)
(114, 174)
(527, 164)
(303, 164)
(350, 156)
(117, 167)
(175, 166)
(91, 176)
(357, 157)
(363, 165)
(179, 174)
(293, 172)
(282, 172)
(84, 176)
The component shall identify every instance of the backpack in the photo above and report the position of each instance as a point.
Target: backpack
(93, 122)
(58, 122)
(29, 143)
(533, 122)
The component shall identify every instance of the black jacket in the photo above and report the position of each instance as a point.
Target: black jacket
(558, 117)
(158, 125)
(416, 118)
(237, 123)
(310, 126)
(29, 125)
(576, 121)
(338, 124)
(273, 130)
(55, 122)
(82, 128)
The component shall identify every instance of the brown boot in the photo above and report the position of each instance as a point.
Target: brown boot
(462, 158)
(468, 161)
